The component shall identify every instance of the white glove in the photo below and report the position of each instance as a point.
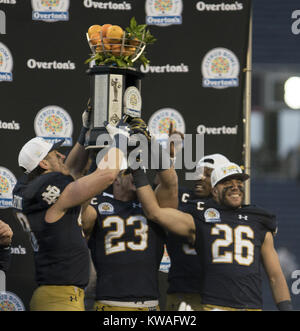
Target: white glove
(113, 130)
(185, 307)
(86, 115)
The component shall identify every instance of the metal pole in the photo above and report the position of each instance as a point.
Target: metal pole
(247, 115)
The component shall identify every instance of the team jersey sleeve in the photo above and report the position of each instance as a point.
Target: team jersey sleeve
(43, 192)
(4, 258)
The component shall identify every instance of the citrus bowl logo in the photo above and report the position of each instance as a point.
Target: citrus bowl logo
(50, 10)
(54, 123)
(159, 123)
(10, 302)
(220, 69)
(211, 215)
(7, 184)
(6, 64)
(163, 12)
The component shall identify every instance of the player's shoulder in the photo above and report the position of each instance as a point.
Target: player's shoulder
(41, 192)
(261, 215)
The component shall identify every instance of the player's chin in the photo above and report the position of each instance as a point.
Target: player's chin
(235, 200)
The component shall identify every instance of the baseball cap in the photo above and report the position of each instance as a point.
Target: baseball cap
(34, 151)
(227, 170)
(211, 161)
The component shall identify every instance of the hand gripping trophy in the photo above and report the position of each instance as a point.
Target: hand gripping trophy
(115, 83)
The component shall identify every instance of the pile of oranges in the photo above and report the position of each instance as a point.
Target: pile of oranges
(110, 38)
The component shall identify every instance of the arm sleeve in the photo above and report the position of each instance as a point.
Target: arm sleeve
(4, 258)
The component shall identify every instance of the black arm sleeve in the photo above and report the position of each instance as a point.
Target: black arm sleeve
(4, 258)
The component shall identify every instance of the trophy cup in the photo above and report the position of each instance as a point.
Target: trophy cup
(115, 83)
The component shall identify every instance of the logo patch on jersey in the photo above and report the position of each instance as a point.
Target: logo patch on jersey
(211, 215)
(243, 217)
(106, 208)
(51, 195)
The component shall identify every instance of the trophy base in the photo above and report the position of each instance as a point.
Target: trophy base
(94, 140)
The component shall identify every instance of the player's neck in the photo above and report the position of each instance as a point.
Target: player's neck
(124, 195)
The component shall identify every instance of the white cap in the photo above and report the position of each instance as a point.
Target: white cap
(211, 161)
(226, 170)
(34, 151)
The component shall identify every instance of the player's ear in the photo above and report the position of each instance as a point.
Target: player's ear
(214, 192)
(44, 164)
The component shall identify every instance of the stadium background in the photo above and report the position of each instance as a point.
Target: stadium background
(49, 74)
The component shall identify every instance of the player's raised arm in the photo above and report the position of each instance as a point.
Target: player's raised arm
(77, 159)
(85, 188)
(160, 160)
(171, 219)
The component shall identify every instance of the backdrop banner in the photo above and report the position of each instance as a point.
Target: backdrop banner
(195, 78)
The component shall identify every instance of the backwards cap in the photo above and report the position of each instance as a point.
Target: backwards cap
(34, 151)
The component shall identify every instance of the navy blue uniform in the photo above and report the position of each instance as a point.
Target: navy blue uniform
(4, 258)
(228, 242)
(185, 270)
(126, 249)
(60, 250)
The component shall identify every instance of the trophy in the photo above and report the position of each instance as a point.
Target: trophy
(115, 83)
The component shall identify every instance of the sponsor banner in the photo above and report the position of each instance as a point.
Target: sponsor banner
(220, 69)
(7, 184)
(163, 12)
(159, 123)
(224, 6)
(107, 5)
(9, 125)
(50, 10)
(10, 302)
(164, 69)
(6, 64)
(53, 123)
(53, 65)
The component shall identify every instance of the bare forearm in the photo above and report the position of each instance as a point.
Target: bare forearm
(171, 219)
(167, 190)
(77, 160)
(279, 288)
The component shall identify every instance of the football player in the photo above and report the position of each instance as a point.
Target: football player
(50, 201)
(126, 247)
(6, 235)
(232, 241)
(185, 270)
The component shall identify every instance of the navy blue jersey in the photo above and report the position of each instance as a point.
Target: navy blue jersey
(126, 249)
(228, 242)
(4, 258)
(60, 250)
(185, 271)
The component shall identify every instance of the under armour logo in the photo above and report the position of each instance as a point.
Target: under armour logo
(136, 205)
(241, 217)
(51, 195)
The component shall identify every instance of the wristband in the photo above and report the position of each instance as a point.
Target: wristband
(285, 305)
(81, 138)
(140, 178)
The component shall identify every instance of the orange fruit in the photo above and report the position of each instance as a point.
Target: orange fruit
(95, 38)
(129, 51)
(106, 44)
(94, 29)
(134, 42)
(116, 49)
(115, 34)
(104, 29)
